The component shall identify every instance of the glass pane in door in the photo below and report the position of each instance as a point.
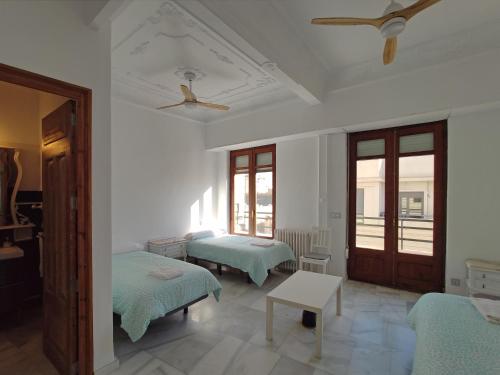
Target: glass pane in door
(416, 205)
(370, 204)
(264, 203)
(241, 204)
(264, 159)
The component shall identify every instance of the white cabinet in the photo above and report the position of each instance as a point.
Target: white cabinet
(169, 247)
(483, 278)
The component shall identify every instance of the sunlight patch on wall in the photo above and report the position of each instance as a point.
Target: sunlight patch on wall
(195, 216)
(208, 217)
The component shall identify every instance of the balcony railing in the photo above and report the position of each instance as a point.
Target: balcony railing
(415, 235)
(264, 222)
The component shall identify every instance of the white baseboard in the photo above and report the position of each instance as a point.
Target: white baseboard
(109, 368)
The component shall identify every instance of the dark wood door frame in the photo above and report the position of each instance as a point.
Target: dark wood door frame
(82, 143)
(391, 258)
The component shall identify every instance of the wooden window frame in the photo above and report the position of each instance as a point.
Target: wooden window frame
(252, 169)
(83, 176)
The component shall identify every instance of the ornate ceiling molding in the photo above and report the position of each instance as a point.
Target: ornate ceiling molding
(155, 42)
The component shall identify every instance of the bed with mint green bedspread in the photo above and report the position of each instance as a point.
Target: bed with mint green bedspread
(453, 338)
(140, 298)
(238, 252)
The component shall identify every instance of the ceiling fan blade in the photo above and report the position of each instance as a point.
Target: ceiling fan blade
(349, 21)
(391, 44)
(187, 93)
(213, 106)
(416, 8)
(171, 105)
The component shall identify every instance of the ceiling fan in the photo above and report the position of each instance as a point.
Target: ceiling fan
(190, 99)
(391, 24)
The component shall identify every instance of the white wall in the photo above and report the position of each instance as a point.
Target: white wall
(337, 200)
(473, 192)
(465, 91)
(51, 38)
(297, 184)
(415, 97)
(222, 190)
(164, 183)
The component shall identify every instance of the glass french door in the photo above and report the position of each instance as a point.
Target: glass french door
(397, 206)
(253, 191)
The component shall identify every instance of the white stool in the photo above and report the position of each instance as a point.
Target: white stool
(319, 262)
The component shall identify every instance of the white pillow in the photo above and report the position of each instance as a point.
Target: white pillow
(192, 236)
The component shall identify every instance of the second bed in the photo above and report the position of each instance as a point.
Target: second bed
(252, 255)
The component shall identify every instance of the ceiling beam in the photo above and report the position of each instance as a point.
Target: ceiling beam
(257, 29)
(108, 13)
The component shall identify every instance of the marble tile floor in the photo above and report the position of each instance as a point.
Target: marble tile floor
(372, 336)
(21, 346)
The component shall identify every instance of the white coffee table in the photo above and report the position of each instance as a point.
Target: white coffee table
(308, 291)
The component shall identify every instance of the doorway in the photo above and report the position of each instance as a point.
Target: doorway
(65, 159)
(397, 198)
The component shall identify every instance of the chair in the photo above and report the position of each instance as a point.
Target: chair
(320, 249)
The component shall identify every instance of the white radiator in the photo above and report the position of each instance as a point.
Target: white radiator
(299, 241)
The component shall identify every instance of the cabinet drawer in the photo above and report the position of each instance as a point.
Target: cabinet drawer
(487, 284)
(171, 251)
(11, 271)
(482, 275)
(176, 253)
(11, 297)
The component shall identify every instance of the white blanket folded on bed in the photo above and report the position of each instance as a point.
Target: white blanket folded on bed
(262, 243)
(166, 273)
(489, 309)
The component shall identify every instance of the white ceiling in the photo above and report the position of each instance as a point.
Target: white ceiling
(343, 46)
(155, 41)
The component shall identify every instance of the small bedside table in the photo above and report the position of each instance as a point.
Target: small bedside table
(169, 247)
(483, 278)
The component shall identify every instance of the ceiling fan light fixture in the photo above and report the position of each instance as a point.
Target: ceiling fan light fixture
(190, 105)
(391, 24)
(393, 7)
(393, 27)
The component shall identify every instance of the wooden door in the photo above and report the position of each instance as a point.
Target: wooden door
(397, 191)
(370, 226)
(420, 154)
(60, 329)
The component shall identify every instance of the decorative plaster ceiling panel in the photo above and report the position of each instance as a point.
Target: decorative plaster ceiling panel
(155, 42)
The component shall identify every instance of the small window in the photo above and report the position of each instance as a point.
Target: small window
(360, 202)
(411, 204)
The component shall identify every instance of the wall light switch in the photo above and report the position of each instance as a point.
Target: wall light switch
(456, 282)
(335, 215)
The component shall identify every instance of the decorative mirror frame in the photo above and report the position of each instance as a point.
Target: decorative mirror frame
(13, 207)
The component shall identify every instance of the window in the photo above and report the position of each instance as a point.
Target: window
(253, 182)
(360, 202)
(411, 204)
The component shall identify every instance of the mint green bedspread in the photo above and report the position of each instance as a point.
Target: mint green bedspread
(140, 298)
(453, 338)
(237, 252)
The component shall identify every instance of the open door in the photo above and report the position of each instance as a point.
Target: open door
(60, 304)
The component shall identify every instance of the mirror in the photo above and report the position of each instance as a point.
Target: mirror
(10, 173)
